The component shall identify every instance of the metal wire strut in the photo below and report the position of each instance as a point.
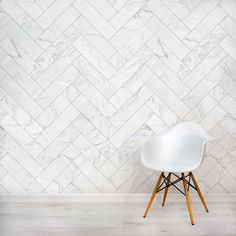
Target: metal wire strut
(169, 183)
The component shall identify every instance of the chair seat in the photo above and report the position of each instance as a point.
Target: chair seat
(173, 166)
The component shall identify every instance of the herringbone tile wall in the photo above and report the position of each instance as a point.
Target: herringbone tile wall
(83, 82)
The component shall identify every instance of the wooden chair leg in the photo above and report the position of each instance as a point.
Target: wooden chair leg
(153, 194)
(199, 191)
(166, 190)
(187, 199)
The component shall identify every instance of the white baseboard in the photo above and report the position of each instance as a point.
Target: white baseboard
(110, 198)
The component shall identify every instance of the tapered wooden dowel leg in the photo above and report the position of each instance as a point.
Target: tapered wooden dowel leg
(153, 194)
(166, 190)
(199, 192)
(187, 199)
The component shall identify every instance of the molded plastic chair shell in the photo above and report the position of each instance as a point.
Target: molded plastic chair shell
(180, 149)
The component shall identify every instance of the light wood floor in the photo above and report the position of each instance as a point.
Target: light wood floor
(108, 215)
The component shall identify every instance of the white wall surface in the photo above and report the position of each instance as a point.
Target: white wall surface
(83, 83)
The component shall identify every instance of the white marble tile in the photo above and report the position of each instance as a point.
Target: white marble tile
(21, 136)
(229, 183)
(125, 171)
(131, 67)
(229, 144)
(156, 124)
(53, 111)
(43, 4)
(13, 30)
(214, 176)
(125, 152)
(218, 152)
(135, 183)
(3, 53)
(94, 175)
(127, 11)
(31, 8)
(16, 92)
(201, 109)
(229, 46)
(57, 86)
(2, 73)
(60, 123)
(63, 180)
(218, 93)
(95, 58)
(229, 104)
(229, 125)
(167, 76)
(202, 29)
(84, 185)
(131, 86)
(101, 142)
(204, 67)
(11, 185)
(213, 117)
(55, 69)
(21, 175)
(167, 96)
(179, 7)
(142, 115)
(172, 41)
(203, 88)
(123, 114)
(2, 172)
(162, 111)
(218, 132)
(70, 93)
(117, 4)
(53, 170)
(52, 53)
(230, 7)
(104, 8)
(199, 13)
(229, 65)
(94, 156)
(94, 76)
(20, 155)
(21, 77)
(167, 56)
(94, 116)
(83, 83)
(229, 85)
(58, 146)
(229, 26)
(94, 96)
(204, 47)
(19, 55)
(52, 12)
(21, 116)
(3, 34)
(97, 20)
(59, 25)
(121, 57)
(132, 27)
(90, 33)
(21, 18)
(168, 17)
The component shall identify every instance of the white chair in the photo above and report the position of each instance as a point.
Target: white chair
(179, 150)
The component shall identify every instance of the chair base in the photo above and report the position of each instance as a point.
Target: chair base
(186, 185)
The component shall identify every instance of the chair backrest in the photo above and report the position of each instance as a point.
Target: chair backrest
(188, 139)
(185, 142)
